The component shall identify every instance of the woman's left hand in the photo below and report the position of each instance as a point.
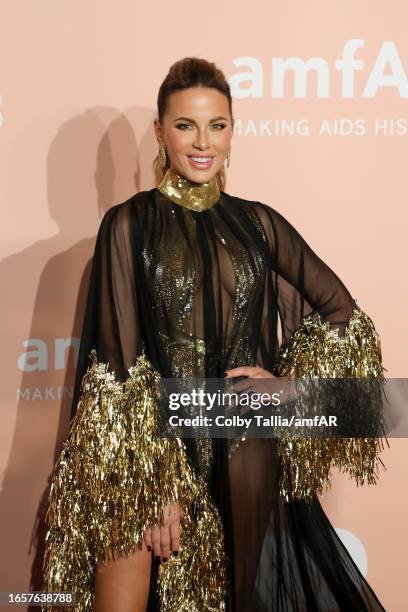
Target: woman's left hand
(261, 386)
(250, 371)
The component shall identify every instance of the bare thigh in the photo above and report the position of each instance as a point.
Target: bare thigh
(122, 583)
(251, 492)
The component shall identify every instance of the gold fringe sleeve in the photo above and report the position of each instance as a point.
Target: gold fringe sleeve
(316, 350)
(112, 478)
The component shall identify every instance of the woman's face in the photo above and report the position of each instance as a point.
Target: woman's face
(196, 132)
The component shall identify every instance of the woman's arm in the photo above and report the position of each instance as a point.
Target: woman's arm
(111, 323)
(325, 334)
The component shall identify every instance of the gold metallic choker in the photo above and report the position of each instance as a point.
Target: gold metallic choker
(195, 196)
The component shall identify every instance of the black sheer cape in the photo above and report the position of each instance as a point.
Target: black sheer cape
(176, 293)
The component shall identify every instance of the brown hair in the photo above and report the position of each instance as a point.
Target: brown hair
(185, 73)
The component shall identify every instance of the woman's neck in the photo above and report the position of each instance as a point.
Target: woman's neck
(195, 196)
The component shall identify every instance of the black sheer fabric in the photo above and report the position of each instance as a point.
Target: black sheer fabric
(200, 293)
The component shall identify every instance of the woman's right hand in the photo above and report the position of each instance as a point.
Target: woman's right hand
(164, 538)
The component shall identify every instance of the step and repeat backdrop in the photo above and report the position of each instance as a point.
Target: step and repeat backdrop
(320, 98)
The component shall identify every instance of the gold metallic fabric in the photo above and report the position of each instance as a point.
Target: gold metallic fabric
(195, 196)
(112, 479)
(316, 350)
(188, 354)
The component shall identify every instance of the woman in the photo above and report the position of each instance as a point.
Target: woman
(188, 280)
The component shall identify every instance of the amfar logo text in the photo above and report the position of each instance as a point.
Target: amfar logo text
(250, 83)
(41, 357)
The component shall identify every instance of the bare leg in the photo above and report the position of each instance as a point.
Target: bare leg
(122, 584)
(251, 493)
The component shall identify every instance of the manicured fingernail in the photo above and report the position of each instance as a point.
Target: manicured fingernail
(175, 553)
(164, 559)
(225, 374)
(149, 548)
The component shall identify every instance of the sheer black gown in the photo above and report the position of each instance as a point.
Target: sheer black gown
(181, 292)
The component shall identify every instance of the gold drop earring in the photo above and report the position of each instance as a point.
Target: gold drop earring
(229, 156)
(162, 152)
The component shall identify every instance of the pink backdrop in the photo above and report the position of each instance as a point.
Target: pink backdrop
(325, 144)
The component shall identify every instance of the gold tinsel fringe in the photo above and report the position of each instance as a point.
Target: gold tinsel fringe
(112, 478)
(316, 350)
